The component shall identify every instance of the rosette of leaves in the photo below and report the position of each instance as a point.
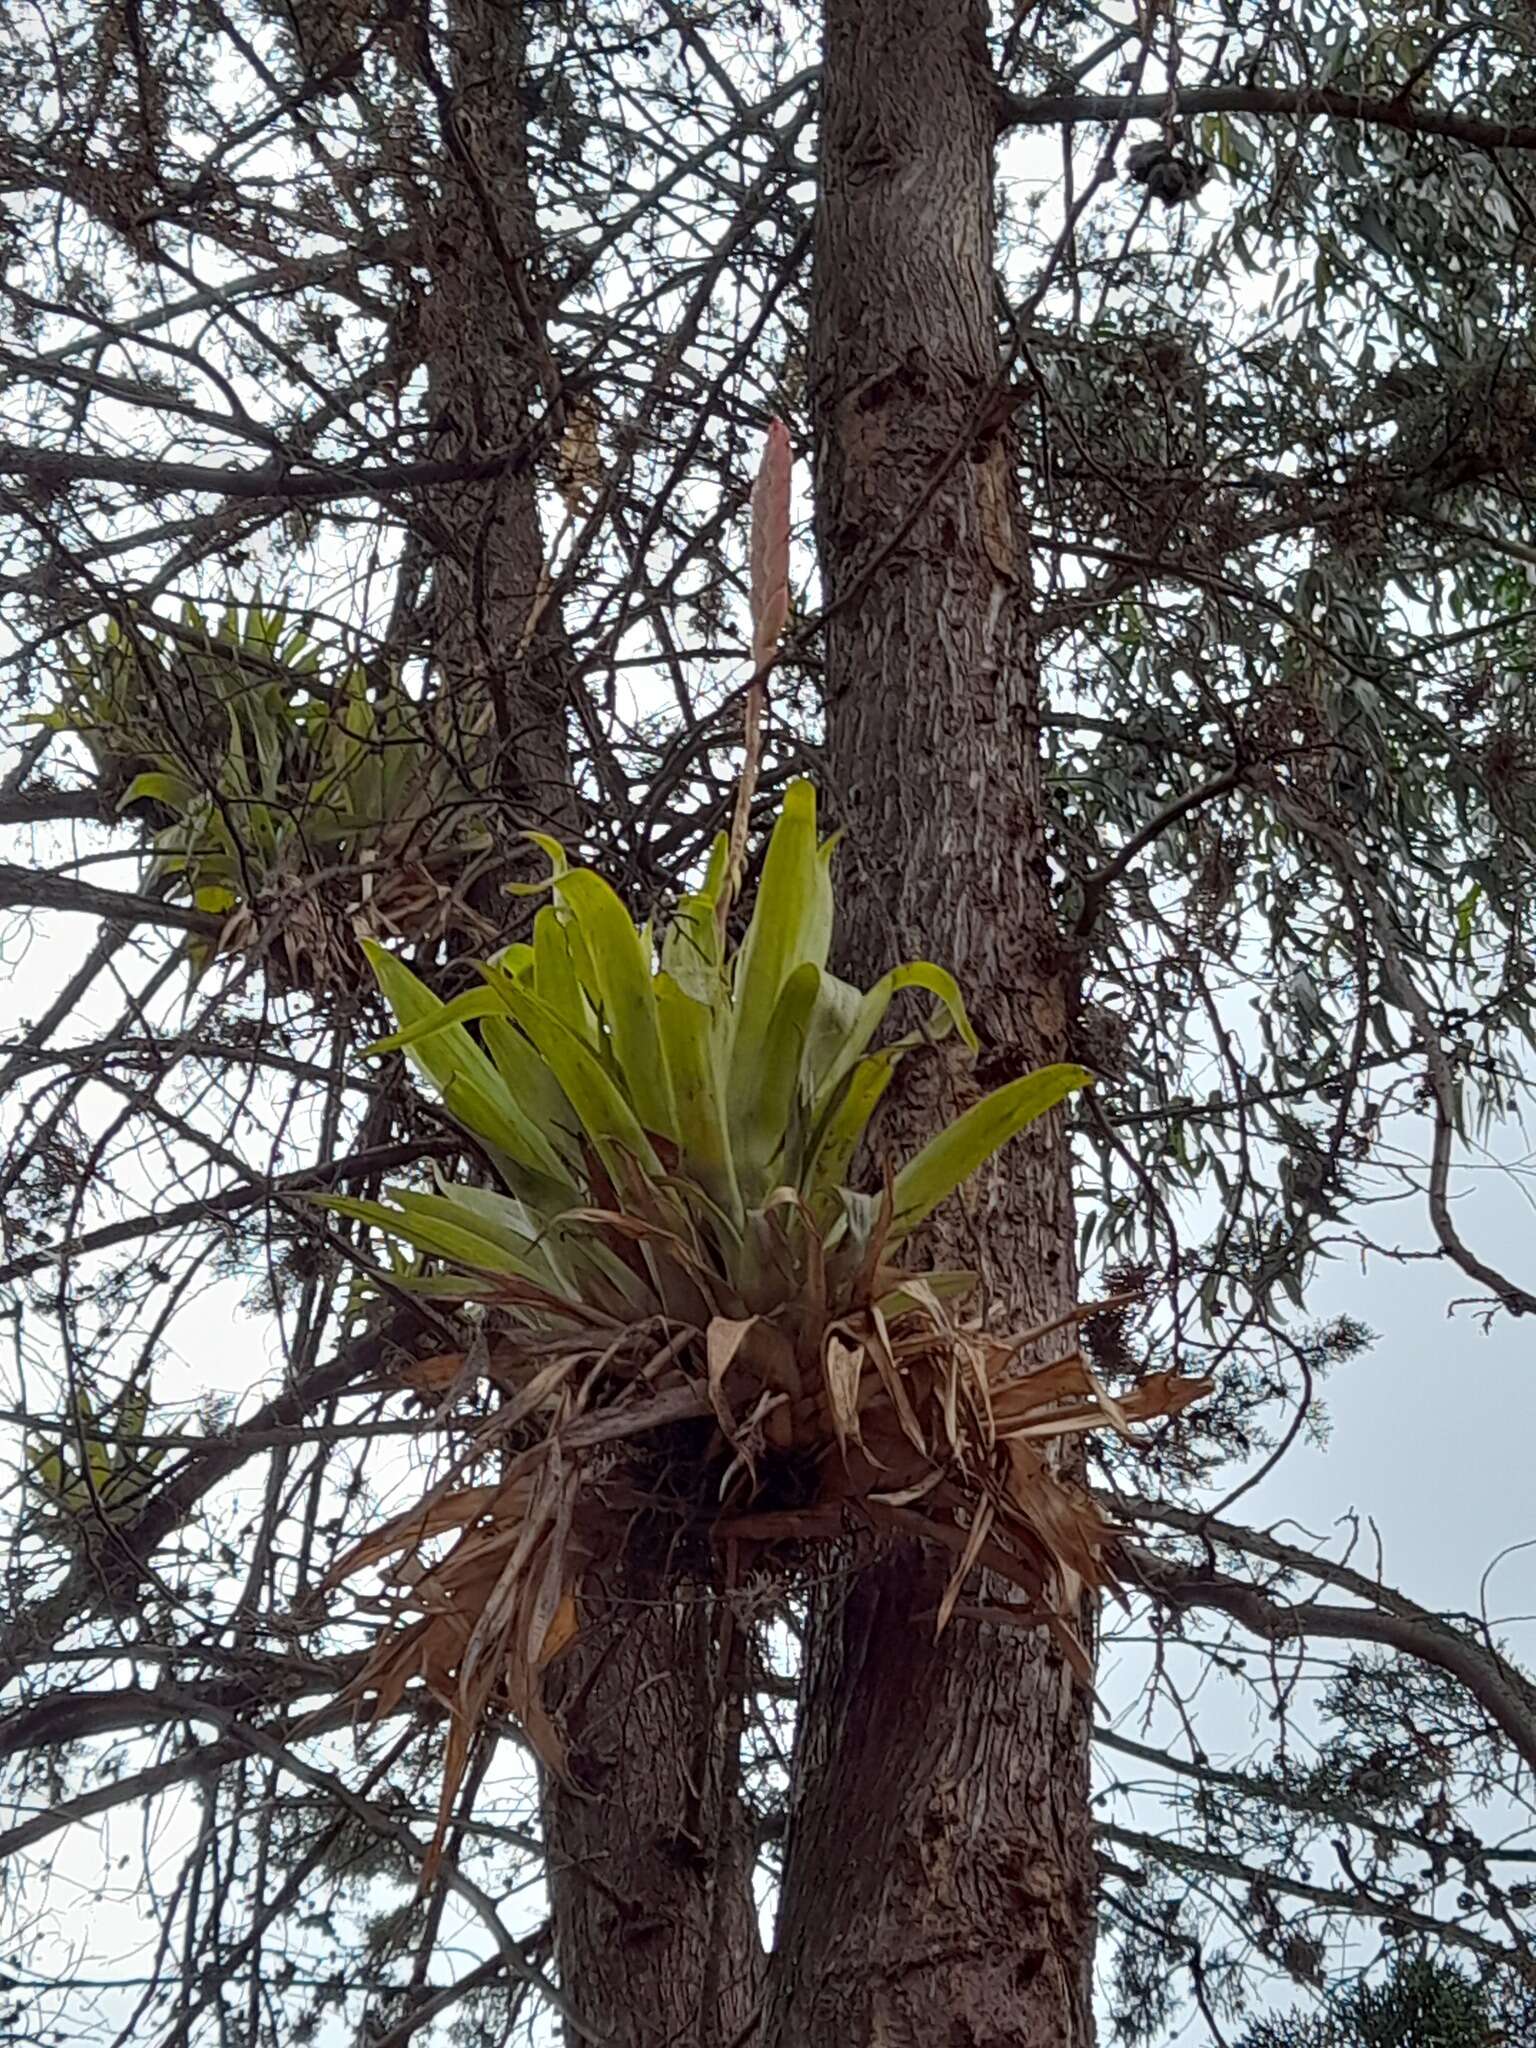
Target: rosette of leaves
(293, 804)
(671, 1270)
(98, 1470)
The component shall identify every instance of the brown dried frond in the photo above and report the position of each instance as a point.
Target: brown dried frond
(880, 1406)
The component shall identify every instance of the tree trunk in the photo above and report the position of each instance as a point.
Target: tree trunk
(939, 1885)
(650, 1864)
(650, 1861)
(499, 646)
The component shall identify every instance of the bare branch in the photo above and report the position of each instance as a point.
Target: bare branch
(1308, 103)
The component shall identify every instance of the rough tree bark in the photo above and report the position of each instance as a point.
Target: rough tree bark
(499, 647)
(650, 1856)
(939, 1884)
(655, 1929)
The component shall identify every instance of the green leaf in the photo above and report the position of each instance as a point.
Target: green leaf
(463, 1075)
(838, 1004)
(534, 1089)
(958, 1150)
(691, 951)
(760, 1110)
(690, 1045)
(945, 1285)
(174, 791)
(791, 926)
(478, 1002)
(440, 1235)
(516, 961)
(555, 980)
(1466, 920)
(132, 1414)
(845, 1118)
(606, 1116)
(576, 1263)
(554, 853)
(870, 1014)
(505, 1222)
(626, 999)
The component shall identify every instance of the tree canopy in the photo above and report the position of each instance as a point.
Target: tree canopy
(384, 386)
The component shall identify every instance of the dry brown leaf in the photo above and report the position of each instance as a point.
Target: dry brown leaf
(770, 545)
(551, 1588)
(564, 1627)
(842, 1365)
(1078, 1659)
(428, 1518)
(981, 1524)
(722, 1341)
(922, 1424)
(878, 1343)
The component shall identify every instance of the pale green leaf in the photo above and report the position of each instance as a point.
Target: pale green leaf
(958, 1150)
(452, 1061)
(478, 1002)
(606, 1116)
(627, 1002)
(791, 926)
(845, 1119)
(690, 1046)
(763, 1096)
(691, 951)
(438, 1234)
(870, 1014)
(174, 791)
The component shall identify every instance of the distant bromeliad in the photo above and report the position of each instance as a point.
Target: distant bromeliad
(296, 805)
(674, 1277)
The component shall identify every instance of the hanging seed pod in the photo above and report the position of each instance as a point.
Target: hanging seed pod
(1169, 176)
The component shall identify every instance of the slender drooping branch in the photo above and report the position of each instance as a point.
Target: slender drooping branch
(231, 1201)
(1096, 886)
(1233, 1870)
(1386, 1616)
(1354, 874)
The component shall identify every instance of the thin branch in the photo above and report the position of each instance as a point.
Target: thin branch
(1096, 885)
(1233, 1870)
(1504, 1693)
(31, 889)
(231, 1201)
(1066, 110)
(49, 806)
(278, 482)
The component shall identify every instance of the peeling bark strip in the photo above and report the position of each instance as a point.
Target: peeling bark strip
(939, 1878)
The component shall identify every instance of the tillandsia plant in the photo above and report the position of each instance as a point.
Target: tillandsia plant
(295, 803)
(672, 1274)
(98, 1470)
